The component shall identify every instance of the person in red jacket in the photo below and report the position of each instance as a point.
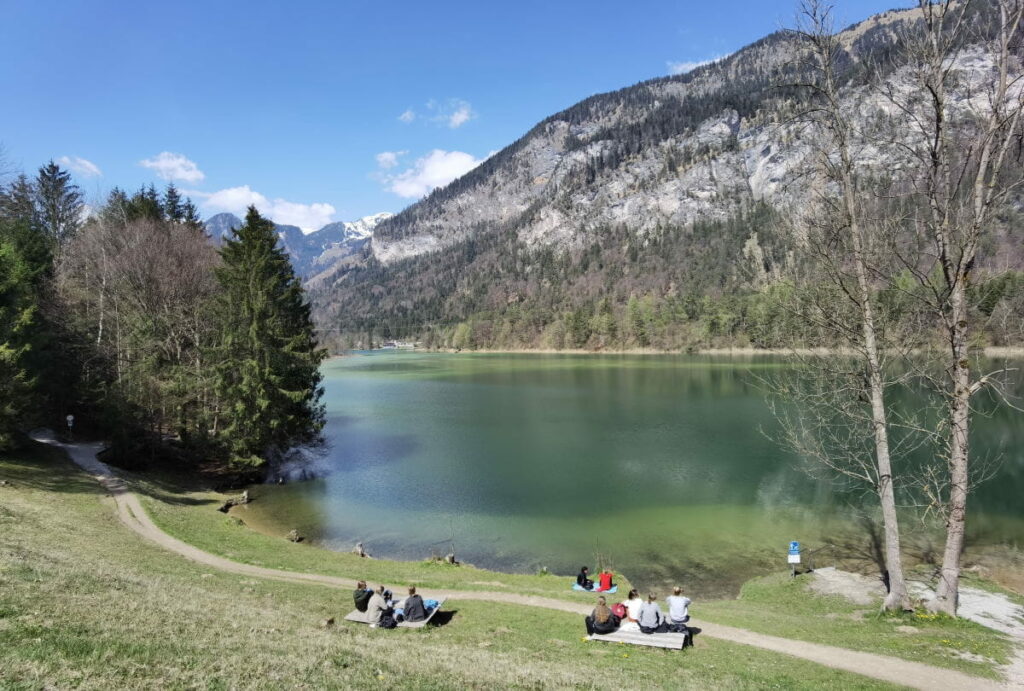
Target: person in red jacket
(604, 581)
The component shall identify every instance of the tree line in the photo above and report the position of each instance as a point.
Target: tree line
(133, 320)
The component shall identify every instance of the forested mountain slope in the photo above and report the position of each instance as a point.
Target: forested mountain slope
(652, 216)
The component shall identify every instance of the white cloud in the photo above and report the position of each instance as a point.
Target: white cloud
(308, 217)
(690, 65)
(454, 113)
(407, 117)
(173, 167)
(461, 116)
(436, 169)
(389, 159)
(83, 167)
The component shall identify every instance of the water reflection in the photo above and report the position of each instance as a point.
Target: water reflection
(660, 463)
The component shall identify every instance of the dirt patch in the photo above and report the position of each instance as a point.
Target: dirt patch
(856, 588)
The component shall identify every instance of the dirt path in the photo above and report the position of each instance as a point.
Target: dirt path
(890, 669)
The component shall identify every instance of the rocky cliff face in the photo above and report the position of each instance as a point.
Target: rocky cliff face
(668, 188)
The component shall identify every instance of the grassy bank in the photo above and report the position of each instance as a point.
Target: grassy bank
(85, 603)
(783, 606)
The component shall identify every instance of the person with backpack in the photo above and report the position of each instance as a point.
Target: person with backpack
(602, 620)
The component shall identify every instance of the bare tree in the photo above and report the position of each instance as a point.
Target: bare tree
(963, 111)
(840, 421)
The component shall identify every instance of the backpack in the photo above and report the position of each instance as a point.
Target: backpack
(619, 610)
(387, 621)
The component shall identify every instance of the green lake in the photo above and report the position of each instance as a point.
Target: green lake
(662, 466)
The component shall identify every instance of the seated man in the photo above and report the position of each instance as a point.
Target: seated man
(602, 619)
(361, 595)
(678, 610)
(651, 619)
(604, 580)
(583, 580)
(413, 609)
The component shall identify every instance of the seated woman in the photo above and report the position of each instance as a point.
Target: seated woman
(601, 620)
(361, 595)
(678, 610)
(377, 607)
(651, 618)
(633, 604)
(604, 581)
(413, 608)
(583, 580)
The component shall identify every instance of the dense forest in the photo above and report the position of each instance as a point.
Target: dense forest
(133, 321)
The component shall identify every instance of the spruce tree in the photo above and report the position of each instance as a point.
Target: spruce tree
(173, 207)
(268, 376)
(58, 203)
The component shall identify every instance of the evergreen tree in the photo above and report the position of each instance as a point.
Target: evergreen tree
(174, 209)
(17, 201)
(58, 203)
(268, 375)
(17, 316)
(190, 216)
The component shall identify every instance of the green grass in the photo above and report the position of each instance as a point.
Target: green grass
(782, 606)
(85, 603)
(191, 516)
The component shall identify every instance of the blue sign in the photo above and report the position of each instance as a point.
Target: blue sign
(794, 547)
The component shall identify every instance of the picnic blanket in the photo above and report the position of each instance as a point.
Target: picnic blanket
(577, 586)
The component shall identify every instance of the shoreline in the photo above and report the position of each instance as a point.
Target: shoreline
(993, 352)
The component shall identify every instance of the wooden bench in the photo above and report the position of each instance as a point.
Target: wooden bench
(674, 641)
(360, 617)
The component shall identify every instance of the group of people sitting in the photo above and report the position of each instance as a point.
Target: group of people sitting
(604, 580)
(637, 615)
(383, 611)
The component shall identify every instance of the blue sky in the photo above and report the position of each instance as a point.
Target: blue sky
(298, 106)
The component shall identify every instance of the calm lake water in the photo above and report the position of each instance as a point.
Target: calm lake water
(660, 465)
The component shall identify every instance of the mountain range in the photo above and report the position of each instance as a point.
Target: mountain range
(651, 216)
(313, 252)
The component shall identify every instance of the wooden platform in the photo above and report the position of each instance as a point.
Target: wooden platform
(360, 618)
(674, 641)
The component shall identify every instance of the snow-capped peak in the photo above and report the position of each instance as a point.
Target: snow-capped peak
(363, 228)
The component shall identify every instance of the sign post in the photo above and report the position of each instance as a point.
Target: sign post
(71, 423)
(794, 556)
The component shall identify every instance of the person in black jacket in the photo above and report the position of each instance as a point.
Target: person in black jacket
(583, 580)
(414, 610)
(601, 620)
(361, 595)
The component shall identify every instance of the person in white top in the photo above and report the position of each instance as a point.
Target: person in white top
(678, 607)
(633, 605)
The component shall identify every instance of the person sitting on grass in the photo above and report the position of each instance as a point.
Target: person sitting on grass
(583, 580)
(604, 581)
(377, 607)
(413, 609)
(361, 595)
(678, 610)
(601, 620)
(651, 618)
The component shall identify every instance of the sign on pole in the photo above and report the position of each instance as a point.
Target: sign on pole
(794, 552)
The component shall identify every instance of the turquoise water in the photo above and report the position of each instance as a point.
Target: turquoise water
(662, 466)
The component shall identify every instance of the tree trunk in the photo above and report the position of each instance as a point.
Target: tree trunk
(947, 593)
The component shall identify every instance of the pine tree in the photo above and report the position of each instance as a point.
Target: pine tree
(58, 203)
(17, 201)
(268, 372)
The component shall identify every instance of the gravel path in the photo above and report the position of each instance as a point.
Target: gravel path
(890, 669)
